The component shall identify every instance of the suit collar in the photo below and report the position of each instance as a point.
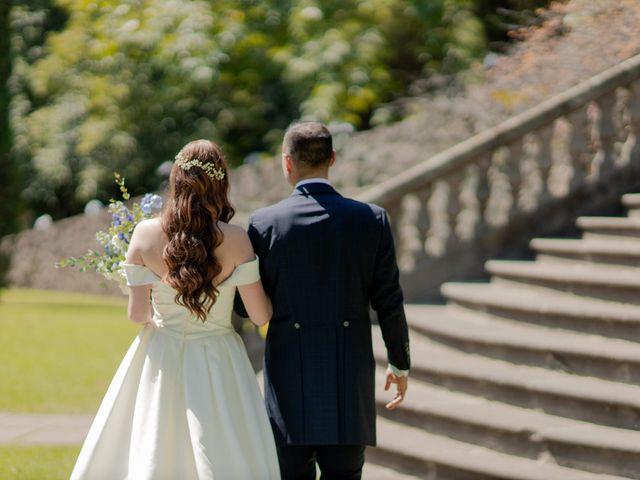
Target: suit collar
(315, 188)
(313, 180)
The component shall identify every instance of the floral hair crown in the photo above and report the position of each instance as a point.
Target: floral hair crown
(210, 169)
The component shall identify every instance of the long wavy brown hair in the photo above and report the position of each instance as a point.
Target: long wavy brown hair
(197, 202)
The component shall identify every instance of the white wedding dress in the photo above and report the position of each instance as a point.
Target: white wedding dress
(184, 403)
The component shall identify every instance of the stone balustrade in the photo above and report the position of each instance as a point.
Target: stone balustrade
(465, 204)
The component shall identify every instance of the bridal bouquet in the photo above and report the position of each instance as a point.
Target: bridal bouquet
(115, 241)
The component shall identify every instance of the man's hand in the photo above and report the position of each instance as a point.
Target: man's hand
(401, 388)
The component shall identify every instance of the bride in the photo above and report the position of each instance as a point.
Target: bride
(184, 403)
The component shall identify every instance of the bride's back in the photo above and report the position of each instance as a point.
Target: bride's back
(176, 319)
(154, 240)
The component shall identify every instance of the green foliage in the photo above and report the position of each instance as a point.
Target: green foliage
(346, 57)
(9, 194)
(31, 21)
(110, 85)
(5, 264)
(125, 85)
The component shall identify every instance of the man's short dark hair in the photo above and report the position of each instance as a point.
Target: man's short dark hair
(309, 144)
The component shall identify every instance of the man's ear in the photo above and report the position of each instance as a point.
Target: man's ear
(333, 158)
(288, 162)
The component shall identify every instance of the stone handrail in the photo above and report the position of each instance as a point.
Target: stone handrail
(483, 184)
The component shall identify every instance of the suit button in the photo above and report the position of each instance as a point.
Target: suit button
(345, 323)
(296, 325)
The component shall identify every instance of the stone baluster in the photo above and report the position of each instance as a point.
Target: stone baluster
(423, 220)
(634, 108)
(623, 120)
(394, 211)
(483, 192)
(579, 150)
(514, 174)
(454, 204)
(607, 131)
(622, 116)
(545, 159)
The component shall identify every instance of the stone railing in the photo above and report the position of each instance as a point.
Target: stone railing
(524, 177)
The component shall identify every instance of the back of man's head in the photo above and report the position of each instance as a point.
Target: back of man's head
(309, 144)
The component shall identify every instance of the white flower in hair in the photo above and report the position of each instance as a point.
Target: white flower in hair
(210, 169)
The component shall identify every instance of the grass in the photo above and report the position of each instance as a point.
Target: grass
(37, 463)
(59, 351)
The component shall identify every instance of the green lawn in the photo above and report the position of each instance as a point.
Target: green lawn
(37, 463)
(58, 351)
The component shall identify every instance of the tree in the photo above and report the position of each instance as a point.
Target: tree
(31, 23)
(9, 181)
(114, 85)
(343, 58)
(124, 86)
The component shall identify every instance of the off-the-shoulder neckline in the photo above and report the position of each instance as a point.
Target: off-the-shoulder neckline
(159, 279)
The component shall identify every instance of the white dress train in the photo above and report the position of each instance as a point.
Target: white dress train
(184, 403)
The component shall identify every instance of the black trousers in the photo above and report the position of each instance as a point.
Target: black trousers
(336, 462)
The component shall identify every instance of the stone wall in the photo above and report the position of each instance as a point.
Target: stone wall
(34, 254)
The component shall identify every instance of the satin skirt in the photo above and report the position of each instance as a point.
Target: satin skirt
(181, 407)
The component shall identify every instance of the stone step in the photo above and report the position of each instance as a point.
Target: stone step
(371, 471)
(432, 456)
(595, 250)
(631, 201)
(620, 228)
(515, 431)
(517, 342)
(582, 398)
(600, 281)
(548, 308)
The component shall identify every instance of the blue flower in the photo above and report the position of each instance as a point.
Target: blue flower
(123, 215)
(124, 238)
(150, 202)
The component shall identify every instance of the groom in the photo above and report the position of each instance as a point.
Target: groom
(324, 260)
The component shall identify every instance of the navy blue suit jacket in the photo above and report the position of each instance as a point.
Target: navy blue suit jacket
(324, 261)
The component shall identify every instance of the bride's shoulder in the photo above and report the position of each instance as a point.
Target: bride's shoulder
(149, 229)
(232, 233)
(146, 241)
(236, 240)
(149, 224)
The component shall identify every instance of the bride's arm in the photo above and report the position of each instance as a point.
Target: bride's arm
(256, 302)
(140, 309)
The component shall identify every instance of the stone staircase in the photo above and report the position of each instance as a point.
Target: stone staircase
(533, 375)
